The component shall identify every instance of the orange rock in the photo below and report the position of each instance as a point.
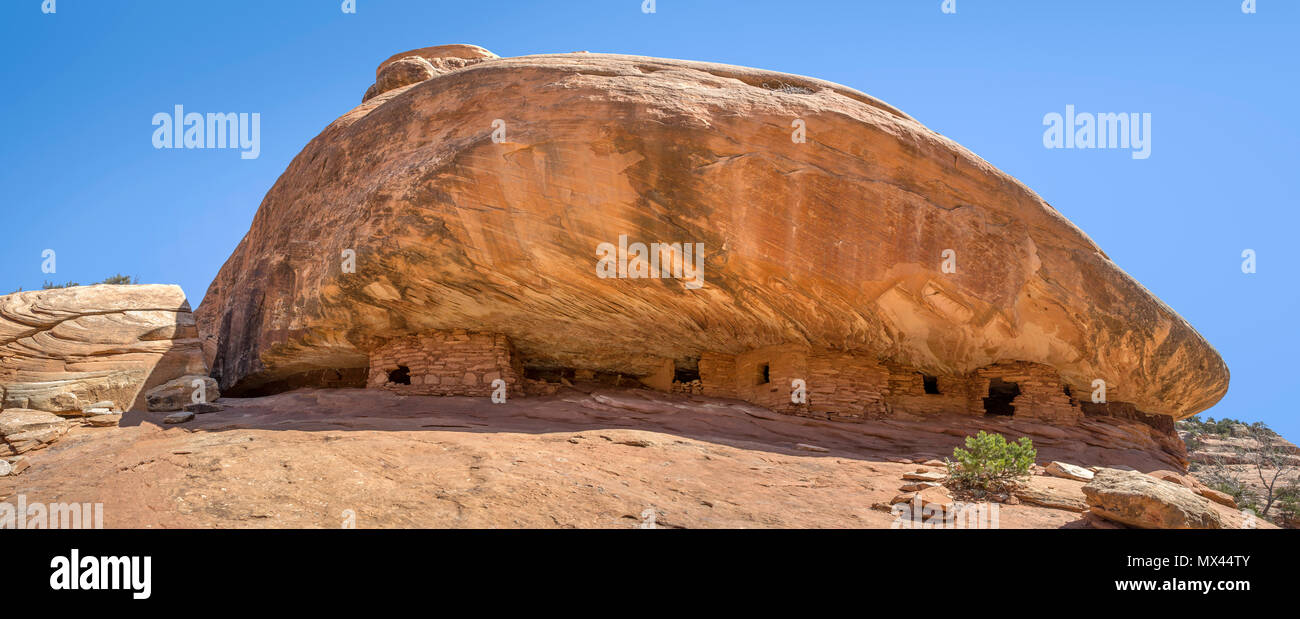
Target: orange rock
(1222, 498)
(476, 199)
(67, 350)
(1139, 500)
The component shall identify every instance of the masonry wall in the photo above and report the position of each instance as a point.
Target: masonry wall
(784, 364)
(846, 387)
(1042, 394)
(718, 375)
(456, 362)
(906, 394)
(838, 385)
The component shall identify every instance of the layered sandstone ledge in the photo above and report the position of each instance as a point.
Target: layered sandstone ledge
(64, 350)
(823, 260)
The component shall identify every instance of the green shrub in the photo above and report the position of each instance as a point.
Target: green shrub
(120, 279)
(989, 463)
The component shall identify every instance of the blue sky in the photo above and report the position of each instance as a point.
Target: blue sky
(81, 176)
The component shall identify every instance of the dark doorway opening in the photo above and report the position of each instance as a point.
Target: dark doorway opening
(763, 374)
(686, 375)
(550, 375)
(400, 376)
(931, 384)
(1001, 394)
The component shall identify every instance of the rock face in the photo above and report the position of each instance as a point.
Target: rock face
(69, 350)
(1068, 471)
(1140, 500)
(175, 394)
(809, 232)
(22, 430)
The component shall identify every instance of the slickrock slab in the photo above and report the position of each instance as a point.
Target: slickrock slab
(203, 408)
(835, 242)
(22, 430)
(918, 486)
(1045, 492)
(1068, 471)
(925, 476)
(104, 421)
(534, 462)
(180, 417)
(72, 349)
(1139, 500)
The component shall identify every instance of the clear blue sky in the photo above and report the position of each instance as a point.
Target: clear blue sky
(81, 176)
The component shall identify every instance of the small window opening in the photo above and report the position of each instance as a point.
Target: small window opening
(400, 376)
(931, 384)
(763, 374)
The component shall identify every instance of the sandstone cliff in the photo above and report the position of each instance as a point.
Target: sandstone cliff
(836, 243)
(63, 350)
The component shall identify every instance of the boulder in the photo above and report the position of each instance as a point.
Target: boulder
(68, 350)
(22, 430)
(1068, 471)
(403, 72)
(203, 408)
(1139, 500)
(1046, 494)
(918, 486)
(1196, 486)
(106, 407)
(175, 394)
(180, 417)
(1222, 498)
(104, 421)
(419, 65)
(19, 464)
(833, 242)
(925, 476)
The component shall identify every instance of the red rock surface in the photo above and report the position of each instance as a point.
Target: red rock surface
(835, 243)
(300, 459)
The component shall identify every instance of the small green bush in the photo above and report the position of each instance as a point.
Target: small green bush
(989, 463)
(120, 279)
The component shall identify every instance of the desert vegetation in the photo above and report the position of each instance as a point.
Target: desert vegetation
(989, 464)
(117, 279)
(1248, 461)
